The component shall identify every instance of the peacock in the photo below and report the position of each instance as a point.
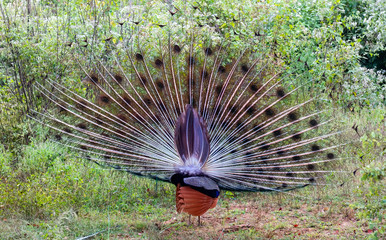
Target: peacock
(195, 112)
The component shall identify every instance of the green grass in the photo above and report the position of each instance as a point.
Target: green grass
(50, 194)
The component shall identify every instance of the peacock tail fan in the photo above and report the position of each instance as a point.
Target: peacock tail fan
(144, 104)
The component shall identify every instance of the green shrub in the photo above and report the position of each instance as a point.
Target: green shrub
(371, 205)
(48, 181)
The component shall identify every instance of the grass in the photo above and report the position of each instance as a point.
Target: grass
(50, 194)
(247, 216)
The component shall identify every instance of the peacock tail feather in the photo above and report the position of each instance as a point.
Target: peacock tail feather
(195, 105)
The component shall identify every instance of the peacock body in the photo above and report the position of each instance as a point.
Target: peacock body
(193, 112)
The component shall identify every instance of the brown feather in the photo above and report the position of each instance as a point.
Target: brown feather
(192, 201)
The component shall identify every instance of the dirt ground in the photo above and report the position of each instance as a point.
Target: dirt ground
(246, 221)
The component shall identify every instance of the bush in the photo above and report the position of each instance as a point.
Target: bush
(371, 190)
(48, 181)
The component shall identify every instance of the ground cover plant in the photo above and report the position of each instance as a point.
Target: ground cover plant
(50, 192)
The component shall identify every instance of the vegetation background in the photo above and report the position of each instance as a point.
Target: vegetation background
(47, 192)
